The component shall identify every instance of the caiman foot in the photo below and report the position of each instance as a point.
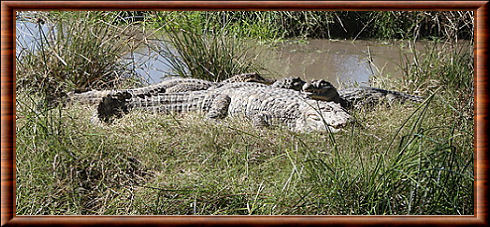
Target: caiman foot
(113, 105)
(260, 120)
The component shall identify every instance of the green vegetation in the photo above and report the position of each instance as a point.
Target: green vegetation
(400, 159)
(266, 25)
(79, 51)
(211, 56)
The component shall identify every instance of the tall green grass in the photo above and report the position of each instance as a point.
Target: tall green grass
(57, 166)
(233, 168)
(449, 25)
(213, 56)
(77, 51)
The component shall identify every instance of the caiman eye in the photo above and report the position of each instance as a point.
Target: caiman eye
(325, 84)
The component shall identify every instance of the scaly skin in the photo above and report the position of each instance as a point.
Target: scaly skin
(294, 83)
(171, 85)
(167, 86)
(246, 77)
(262, 104)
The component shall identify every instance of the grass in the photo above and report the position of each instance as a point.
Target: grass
(212, 56)
(184, 165)
(77, 51)
(401, 159)
(449, 25)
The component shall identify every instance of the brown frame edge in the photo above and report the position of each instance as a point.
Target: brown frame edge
(8, 9)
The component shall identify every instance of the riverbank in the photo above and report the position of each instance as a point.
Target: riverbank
(402, 159)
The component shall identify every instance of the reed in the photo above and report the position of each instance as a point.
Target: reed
(75, 51)
(448, 25)
(211, 56)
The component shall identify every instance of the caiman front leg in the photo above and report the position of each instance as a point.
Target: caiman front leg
(260, 119)
(219, 107)
(113, 105)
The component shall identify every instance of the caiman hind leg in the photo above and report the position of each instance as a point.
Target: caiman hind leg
(260, 119)
(219, 107)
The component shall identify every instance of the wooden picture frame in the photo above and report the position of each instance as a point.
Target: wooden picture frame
(8, 9)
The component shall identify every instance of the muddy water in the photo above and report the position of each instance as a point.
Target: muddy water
(346, 61)
(336, 61)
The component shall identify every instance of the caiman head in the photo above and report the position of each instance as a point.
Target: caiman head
(321, 90)
(322, 116)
